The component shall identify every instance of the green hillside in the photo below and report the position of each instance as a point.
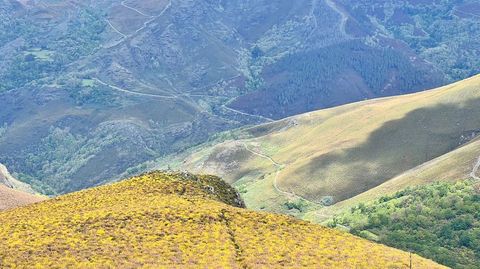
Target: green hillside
(305, 164)
(459, 163)
(90, 88)
(439, 221)
(177, 220)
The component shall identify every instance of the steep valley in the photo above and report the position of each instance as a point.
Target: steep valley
(89, 89)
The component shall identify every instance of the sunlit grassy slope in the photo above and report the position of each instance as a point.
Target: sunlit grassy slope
(163, 220)
(332, 155)
(455, 165)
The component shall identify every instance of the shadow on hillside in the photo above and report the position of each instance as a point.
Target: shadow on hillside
(397, 146)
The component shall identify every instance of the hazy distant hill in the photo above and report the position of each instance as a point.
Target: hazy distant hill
(180, 221)
(91, 88)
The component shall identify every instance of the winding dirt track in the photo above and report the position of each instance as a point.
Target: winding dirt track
(115, 29)
(225, 106)
(279, 167)
(344, 16)
(134, 9)
(473, 174)
(145, 24)
(135, 93)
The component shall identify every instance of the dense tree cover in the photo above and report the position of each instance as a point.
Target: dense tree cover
(88, 92)
(12, 27)
(80, 37)
(312, 73)
(439, 221)
(25, 69)
(445, 32)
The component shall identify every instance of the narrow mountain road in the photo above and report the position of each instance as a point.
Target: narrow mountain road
(225, 106)
(313, 16)
(474, 172)
(145, 25)
(115, 29)
(134, 93)
(279, 167)
(134, 9)
(466, 13)
(343, 15)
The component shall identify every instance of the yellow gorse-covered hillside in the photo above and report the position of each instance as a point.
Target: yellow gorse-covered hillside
(165, 220)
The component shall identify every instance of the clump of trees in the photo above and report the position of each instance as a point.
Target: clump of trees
(81, 37)
(439, 221)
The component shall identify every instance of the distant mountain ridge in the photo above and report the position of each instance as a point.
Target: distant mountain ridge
(89, 89)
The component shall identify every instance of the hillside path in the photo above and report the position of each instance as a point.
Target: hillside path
(115, 29)
(135, 93)
(145, 25)
(473, 174)
(225, 106)
(279, 167)
(313, 16)
(134, 9)
(343, 15)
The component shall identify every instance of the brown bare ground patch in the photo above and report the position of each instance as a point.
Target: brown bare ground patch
(10, 198)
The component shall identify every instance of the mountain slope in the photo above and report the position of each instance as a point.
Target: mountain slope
(10, 198)
(14, 193)
(8, 180)
(332, 155)
(91, 88)
(440, 221)
(458, 164)
(177, 220)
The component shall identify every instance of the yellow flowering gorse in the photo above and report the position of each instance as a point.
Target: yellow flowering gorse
(165, 220)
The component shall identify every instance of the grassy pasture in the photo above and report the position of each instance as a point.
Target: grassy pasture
(40, 54)
(356, 151)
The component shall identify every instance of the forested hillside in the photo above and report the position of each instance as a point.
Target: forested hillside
(333, 75)
(89, 89)
(439, 221)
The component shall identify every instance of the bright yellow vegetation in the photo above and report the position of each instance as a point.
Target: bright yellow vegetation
(170, 220)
